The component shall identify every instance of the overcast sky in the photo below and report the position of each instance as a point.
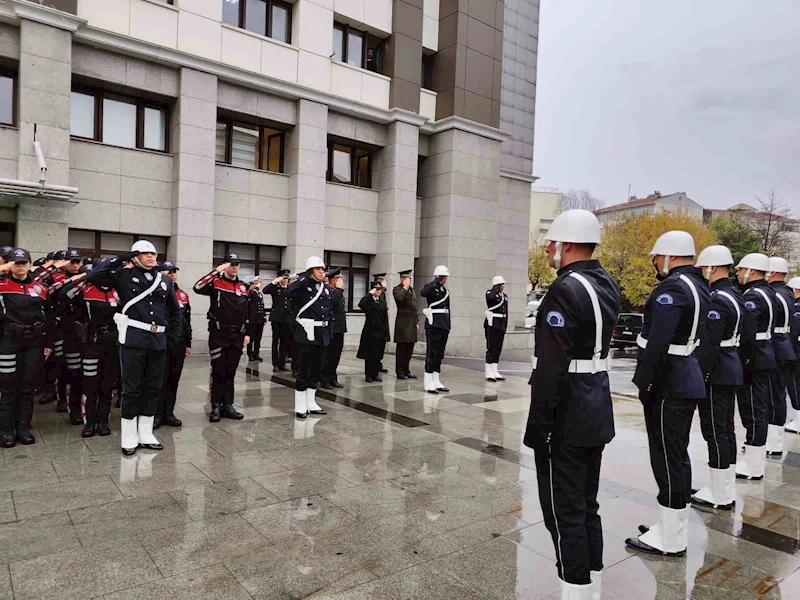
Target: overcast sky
(699, 96)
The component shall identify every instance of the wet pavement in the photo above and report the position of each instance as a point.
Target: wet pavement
(395, 494)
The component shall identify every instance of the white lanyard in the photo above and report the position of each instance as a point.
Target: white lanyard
(734, 340)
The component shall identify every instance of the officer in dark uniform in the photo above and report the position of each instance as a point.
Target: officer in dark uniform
(671, 383)
(373, 341)
(333, 351)
(293, 346)
(228, 326)
(258, 316)
(52, 273)
(178, 351)
(571, 417)
(381, 278)
(69, 378)
(313, 303)
(793, 381)
(494, 327)
(24, 345)
(719, 359)
(758, 360)
(437, 328)
(280, 318)
(406, 325)
(150, 313)
(784, 353)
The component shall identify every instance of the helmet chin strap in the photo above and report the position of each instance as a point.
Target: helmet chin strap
(135, 260)
(557, 257)
(708, 272)
(665, 270)
(747, 275)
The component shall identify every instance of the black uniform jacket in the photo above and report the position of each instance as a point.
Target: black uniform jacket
(23, 320)
(493, 298)
(668, 317)
(228, 311)
(158, 308)
(302, 291)
(339, 312)
(781, 342)
(407, 319)
(758, 355)
(258, 314)
(795, 325)
(387, 335)
(94, 309)
(433, 292)
(722, 366)
(373, 341)
(281, 311)
(574, 407)
(186, 313)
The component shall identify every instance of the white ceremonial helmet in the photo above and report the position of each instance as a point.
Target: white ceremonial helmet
(777, 265)
(714, 256)
(794, 283)
(673, 243)
(498, 280)
(441, 271)
(576, 226)
(143, 246)
(754, 261)
(314, 262)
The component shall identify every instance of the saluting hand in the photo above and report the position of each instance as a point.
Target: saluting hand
(6, 267)
(222, 267)
(77, 277)
(277, 280)
(61, 263)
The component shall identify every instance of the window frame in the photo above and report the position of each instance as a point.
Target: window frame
(347, 31)
(257, 262)
(14, 76)
(96, 252)
(268, 33)
(352, 303)
(100, 95)
(355, 179)
(263, 161)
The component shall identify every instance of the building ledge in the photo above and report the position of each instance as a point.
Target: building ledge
(465, 125)
(509, 174)
(14, 10)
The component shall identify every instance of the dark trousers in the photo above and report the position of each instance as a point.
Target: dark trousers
(142, 377)
(254, 345)
(69, 372)
(224, 362)
(331, 357)
(294, 348)
(372, 368)
(281, 335)
(21, 369)
(437, 342)
(100, 366)
(668, 422)
(51, 367)
(309, 366)
(753, 399)
(777, 382)
(403, 359)
(716, 423)
(568, 480)
(793, 384)
(494, 344)
(176, 356)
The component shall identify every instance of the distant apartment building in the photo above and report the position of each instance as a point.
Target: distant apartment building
(653, 204)
(545, 206)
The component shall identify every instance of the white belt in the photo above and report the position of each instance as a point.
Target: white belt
(674, 349)
(763, 335)
(583, 365)
(152, 328)
(782, 329)
(429, 312)
(731, 343)
(491, 316)
(308, 326)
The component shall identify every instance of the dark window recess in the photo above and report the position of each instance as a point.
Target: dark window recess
(355, 273)
(349, 165)
(103, 244)
(255, 260)
(119, 120)
(250, 146)
(270, 18)
(357, 48)
(427, 71)
(7, 233)
(8, 97)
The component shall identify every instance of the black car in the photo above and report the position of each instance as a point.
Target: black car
(627, 329)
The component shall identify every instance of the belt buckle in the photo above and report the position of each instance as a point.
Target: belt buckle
(153, 328)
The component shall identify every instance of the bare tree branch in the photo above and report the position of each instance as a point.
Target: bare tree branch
(580, 199)
(773, 223)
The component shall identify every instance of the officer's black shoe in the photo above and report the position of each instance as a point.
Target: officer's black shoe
(228, 412)
(326, 385)
(377, 380)
(88, 430)
(172, 421)
(276, 369)
(368, 379)
(401, 376)
(259, 359)
(61, 406)
(75, 418)
(384, 370)
(640, 546)
(128, 451)
(47, 398)
(103, 429)
(301, 415)
(410, 376)
(705, 504)
(214, 417)
(157, 423)
(24, 435)
(7, 439)
(775, 453)
(336, 384)
(151, 446)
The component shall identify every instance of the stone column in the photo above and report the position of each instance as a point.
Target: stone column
(193, 138)
(45, 87)
(306, 163)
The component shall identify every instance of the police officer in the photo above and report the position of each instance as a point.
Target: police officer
(280, 318)
(373, 341)
(56, 376)
(228, 327)
(719, 359)
(178, 350)
(406, 324)
(571, 417)
(437, 328)
(793, 381)
(24, 345)
(671, 383)
(313, 302)
(69, 378)
(293, 347)
(387, 336)
(785, 356)
(258, 316)
(333, 351)
(494, 327)
(758, 359)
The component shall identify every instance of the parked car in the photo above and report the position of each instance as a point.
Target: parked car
(530, 313)
(627, 329)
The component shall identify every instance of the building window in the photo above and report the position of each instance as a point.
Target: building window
(7, 233)
(270, 18)
(8, 96)
(250, 146)
(254, 260)
(118, 120)
(102, 244)
(357, 48)
(349, 165)
(355, 273)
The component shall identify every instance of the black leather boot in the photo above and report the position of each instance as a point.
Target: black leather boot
(24, 435)
(89, 429)
(157, 423)
(102, 428)
(214, 416)
(229, 412)
(7, 438)
(172, 421)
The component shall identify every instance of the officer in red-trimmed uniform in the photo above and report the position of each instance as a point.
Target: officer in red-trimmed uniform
(178, 351)
(228, 323)
(24, 345)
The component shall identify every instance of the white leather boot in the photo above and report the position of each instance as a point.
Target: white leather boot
(489, 372)
(496, 368)
(438, 383)
(750, 466)
(792, 424)
(311, 403)
(774, 440)
(573, 591)
(300, 405)
(146, 437)
(730, 485)
(715, 494)
(429, 384)
(129, 435)
(668, 536)
(597, 585)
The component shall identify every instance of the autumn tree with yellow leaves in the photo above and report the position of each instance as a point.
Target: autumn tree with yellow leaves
(625, 250)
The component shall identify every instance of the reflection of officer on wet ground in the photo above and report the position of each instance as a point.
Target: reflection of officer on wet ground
(671, 383)
(571, 417)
